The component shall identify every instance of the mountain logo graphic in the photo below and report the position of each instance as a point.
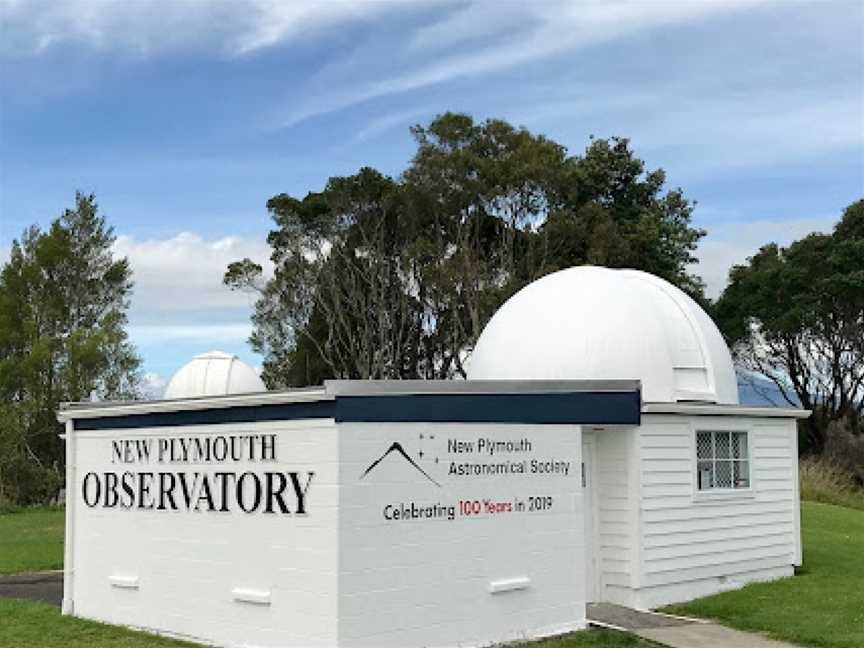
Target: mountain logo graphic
(400, 451)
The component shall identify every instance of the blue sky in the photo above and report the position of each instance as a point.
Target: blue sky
(185, 117)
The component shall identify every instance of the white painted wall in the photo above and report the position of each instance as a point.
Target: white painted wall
(699, 543)
(429, 582)
(343, 574)
(189, 567)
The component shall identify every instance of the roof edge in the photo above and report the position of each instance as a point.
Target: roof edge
(711, 409)
(417, 387)
(81, 410)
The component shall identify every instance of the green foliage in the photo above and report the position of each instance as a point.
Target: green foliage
(63, 302)
(823, 605)
(384, 278)
(31, 539)
(796, 315)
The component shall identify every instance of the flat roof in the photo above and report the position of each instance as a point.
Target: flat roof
(588, 402)
(505, 401)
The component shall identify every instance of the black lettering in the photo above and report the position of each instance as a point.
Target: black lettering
(126, 480)
(202, 449)
(275, 492)
(145, 481)
(116, 452)
(241, 500)
(84, 489)
(143, 448)
(301, 492)
(223, 478)
(204, 493)
(166, 491)
(163, 448)
(111, 496)
(220, 451)
(236, 453)
(184, 446)
(268, 447)
(186, 489)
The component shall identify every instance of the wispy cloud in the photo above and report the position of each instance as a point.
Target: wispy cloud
(548, 28)
(151, 26)
(384, 123)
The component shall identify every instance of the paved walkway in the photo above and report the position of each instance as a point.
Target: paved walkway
(39, 586)
(676, 632)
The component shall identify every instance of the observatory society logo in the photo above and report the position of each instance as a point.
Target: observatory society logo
(397, 449)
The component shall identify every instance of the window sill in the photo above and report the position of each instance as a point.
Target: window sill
(724, 495)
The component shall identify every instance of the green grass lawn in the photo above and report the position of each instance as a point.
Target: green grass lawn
(31, 540)
(822, 606)
(24, 624)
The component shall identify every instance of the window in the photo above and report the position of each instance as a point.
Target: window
(722, 460)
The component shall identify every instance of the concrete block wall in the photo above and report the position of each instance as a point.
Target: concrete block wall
(231, 578)
(480, 577)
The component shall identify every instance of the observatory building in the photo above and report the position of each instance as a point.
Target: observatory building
(597, 452)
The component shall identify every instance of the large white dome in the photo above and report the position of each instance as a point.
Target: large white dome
(595, 323)
(214, 373)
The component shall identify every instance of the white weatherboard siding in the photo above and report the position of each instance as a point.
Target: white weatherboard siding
(232, 578)
(471, 581)
(616, 497)
(697, 543)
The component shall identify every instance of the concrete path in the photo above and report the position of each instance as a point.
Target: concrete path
(675, 632)
(46, 587)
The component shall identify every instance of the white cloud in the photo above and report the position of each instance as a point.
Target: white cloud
(184, 273)
(731, 243)
(148, 26)
(179, 306)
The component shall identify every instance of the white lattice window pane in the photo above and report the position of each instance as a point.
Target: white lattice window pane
(705, 475)
(722, 445)
(739, 445)
(704, 448)
(741, 474)
(723, 474)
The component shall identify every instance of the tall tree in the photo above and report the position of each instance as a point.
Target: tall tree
(481, 210)
(796, 315)
(339, 286)
(63, 303)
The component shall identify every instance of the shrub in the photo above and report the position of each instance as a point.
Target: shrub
(829, 482)
(844, 447)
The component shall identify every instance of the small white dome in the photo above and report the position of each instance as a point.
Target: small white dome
(594, 323)
(214, 373)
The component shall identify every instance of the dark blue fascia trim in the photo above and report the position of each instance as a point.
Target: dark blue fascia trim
(590, 408)
(242, 414)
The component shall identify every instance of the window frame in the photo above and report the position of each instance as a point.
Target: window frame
(746, 492)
